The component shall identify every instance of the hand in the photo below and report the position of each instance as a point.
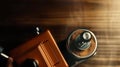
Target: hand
(10, 62)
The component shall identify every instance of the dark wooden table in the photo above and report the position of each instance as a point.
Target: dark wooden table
(18, 19)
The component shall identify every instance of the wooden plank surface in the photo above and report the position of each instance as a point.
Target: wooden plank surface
(63, 16)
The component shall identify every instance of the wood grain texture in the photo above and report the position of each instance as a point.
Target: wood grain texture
(62, 16)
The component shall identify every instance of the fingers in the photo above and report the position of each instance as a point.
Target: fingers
(10, 62)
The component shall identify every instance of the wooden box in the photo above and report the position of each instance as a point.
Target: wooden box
(43, 49)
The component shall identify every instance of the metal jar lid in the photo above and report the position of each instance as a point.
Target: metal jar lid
(82, 43)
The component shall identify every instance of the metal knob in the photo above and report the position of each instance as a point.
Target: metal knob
(82, 41)
(86, 36)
